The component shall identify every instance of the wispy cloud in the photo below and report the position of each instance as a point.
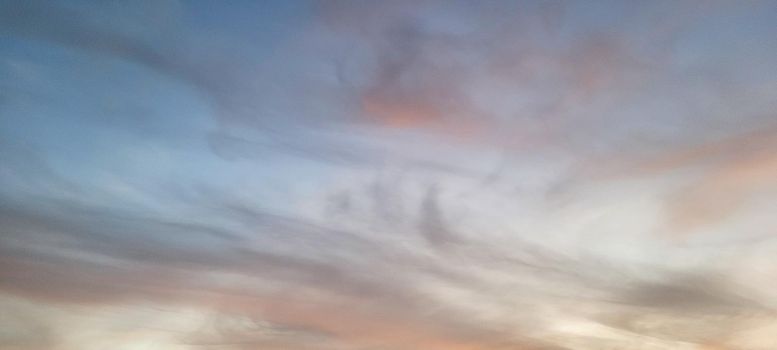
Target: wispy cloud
(399, 175)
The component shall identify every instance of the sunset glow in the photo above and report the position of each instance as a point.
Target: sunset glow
(388, 175)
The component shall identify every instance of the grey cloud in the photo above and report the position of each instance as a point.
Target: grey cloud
(386, 198)
(171, 269)
(161, 260)
(689, 294)
(433, 225)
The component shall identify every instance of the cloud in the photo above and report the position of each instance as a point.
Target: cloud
(433, 225)
(388, 227)
(730, 184)
(719, 177)
(484, 83)
(345, 289)
(688, 293)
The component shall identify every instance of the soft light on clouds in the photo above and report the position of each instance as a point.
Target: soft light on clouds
(388, 175)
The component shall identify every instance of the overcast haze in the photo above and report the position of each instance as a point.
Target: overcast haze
(388, 175)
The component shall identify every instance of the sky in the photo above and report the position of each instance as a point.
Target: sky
(388, 175)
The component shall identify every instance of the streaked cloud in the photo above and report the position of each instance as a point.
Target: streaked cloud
(398, 175)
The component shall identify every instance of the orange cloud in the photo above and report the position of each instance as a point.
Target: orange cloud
(725, 188)
(731, 173)
(400, 115)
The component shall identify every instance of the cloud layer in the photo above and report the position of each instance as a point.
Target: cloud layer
(399, 175)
